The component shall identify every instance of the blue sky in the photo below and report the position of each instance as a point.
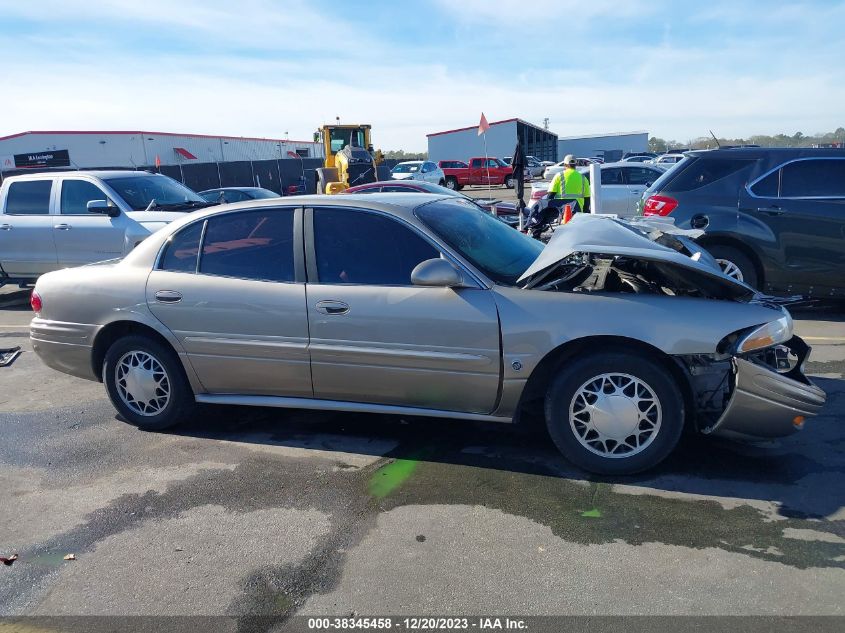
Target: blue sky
(676, 68)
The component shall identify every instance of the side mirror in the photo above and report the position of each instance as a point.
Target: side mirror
(436, 273)
(102, 207)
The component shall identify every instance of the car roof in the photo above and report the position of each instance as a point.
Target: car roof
(96, 173)
(399, 204)
(234, 189)
(763, 152)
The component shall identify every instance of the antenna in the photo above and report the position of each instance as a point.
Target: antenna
(715, 139)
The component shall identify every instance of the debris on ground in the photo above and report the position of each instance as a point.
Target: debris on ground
(70, 556)
(8, 355)
(8, 561)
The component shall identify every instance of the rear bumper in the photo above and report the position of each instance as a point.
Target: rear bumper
(766, 404)
(65, 347)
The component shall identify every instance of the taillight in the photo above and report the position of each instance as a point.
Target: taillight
(659, 205)
(35, 302)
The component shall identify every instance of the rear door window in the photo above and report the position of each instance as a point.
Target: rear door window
(29, 197)
(639, 175)
(701, 172)
(250, 245)
(819, 178)
(611, 176)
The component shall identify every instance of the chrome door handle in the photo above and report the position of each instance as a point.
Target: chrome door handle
(168, 296)
(62, 227)
(771, 210)
(5, 227)
(332, 307)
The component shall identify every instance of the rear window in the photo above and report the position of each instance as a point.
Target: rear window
(29, 197)
(698, 172)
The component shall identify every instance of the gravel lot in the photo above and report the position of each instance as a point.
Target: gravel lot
(274, 512)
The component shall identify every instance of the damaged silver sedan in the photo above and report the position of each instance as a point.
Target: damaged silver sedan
(621, 334)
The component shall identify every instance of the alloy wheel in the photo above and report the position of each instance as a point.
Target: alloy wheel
(730, 269)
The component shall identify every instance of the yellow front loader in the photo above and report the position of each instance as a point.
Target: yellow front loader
(350, 158)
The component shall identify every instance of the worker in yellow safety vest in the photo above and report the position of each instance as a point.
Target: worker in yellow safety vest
(570, 185)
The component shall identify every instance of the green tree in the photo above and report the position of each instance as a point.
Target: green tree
(656, 144)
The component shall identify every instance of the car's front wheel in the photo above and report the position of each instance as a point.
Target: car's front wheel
(614, 413)
(509, 182)
(146, 383)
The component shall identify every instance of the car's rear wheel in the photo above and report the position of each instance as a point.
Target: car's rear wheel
(614, 413)
(146, 383)
(509, 181)
(735, 263)
(452, 183)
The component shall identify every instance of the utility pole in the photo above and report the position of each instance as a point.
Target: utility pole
(546, 124)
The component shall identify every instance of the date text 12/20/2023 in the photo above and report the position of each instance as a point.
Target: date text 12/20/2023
(417, 623)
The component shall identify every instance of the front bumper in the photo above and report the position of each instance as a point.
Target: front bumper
(765, 403)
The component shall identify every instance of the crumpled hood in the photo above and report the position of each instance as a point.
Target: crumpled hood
(403, 175)
(603, 235)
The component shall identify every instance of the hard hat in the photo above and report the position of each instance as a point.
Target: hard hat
(569, 160)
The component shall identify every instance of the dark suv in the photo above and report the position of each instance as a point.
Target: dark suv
(774, 218)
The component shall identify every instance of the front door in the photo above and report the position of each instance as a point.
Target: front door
(377, 338)
(82, 237)
(26, 229)
(238, 310)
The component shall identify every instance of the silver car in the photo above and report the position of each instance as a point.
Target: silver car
(621, 333)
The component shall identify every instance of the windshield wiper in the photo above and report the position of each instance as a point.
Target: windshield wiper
(188, 204)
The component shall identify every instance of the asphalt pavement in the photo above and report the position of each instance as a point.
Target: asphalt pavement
(250, 512)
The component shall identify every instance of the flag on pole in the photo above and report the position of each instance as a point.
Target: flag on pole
(483, 126)
(158, 161)
(293, 155)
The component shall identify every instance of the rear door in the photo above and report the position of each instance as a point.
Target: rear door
(477, 172)
(231, 289)
(614, 193)
(27, 248)
(637, 179)
(803, 206)
(377, 338)
(82, 237)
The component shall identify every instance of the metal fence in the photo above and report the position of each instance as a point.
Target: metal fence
(285, 176)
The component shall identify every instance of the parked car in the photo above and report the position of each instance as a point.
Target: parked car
(415, 304)
(479, 171)
(419, 170)
(638, 158)
(666, 159)
(772, 217)
(490, 205)
(628, 155)
(54, 220)
(224, 195)
(552, 170)
(622, 186)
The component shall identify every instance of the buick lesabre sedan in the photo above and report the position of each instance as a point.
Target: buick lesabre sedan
(620, 333)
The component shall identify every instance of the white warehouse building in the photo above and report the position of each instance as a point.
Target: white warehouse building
(92, 149)
(465, 143)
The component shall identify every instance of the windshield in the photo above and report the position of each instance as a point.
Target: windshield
(406, 168)
(341, 137)
(139, 191)
(500, 252)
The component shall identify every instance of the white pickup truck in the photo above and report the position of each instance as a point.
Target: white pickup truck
(57, 220)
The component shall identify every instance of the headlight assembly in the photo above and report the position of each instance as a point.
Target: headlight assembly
(768, 334)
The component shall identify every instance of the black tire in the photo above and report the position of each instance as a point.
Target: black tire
(452, 183)
(575, 380)
(442, 183)
(509, 181)
(180, 399)
(729, 254)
